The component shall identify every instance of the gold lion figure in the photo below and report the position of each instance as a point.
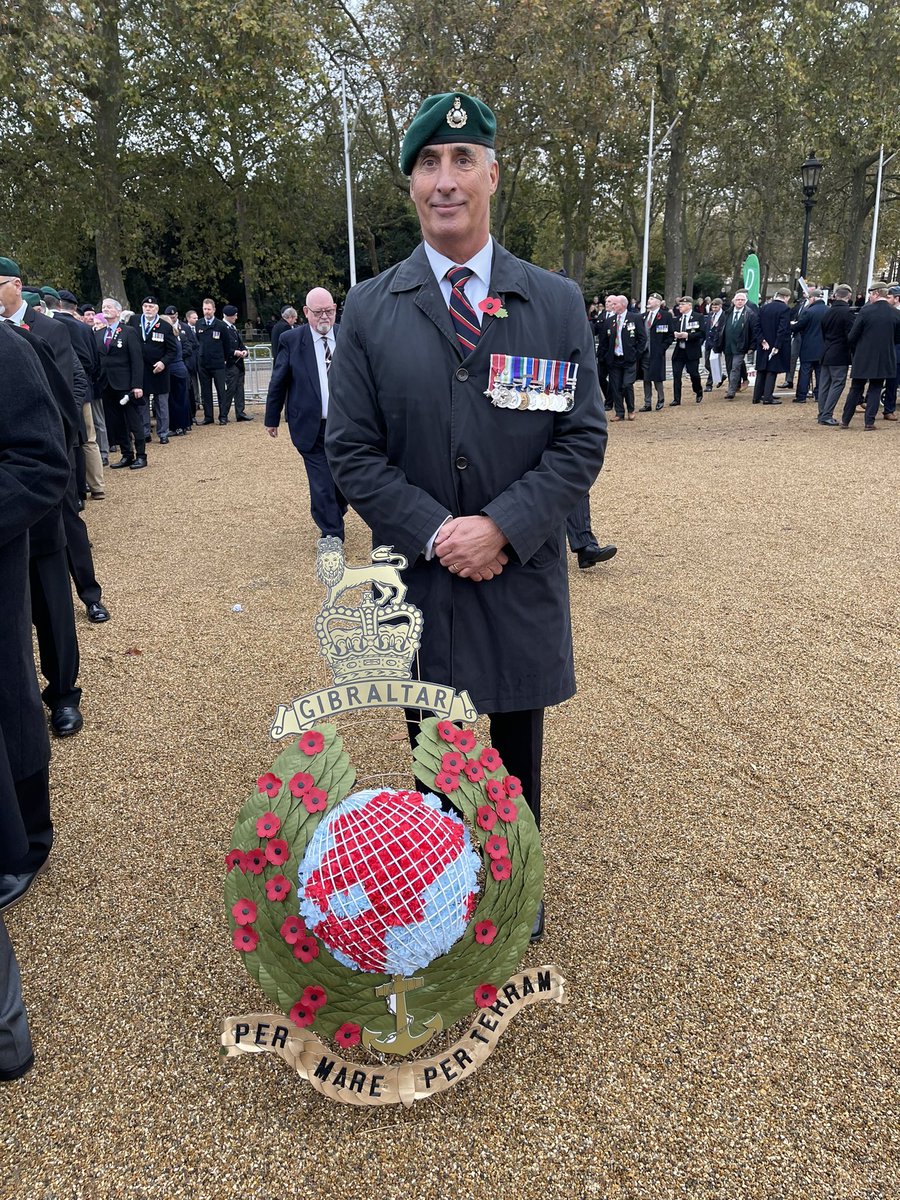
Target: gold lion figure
(384, 571)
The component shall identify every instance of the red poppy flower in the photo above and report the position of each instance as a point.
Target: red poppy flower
(306, 949)
(277, 851)
(278, 888)
(485, 932)
(486, 817)
(300, 784)
(314, 997)
(269, 783)
(465, 740)
(471, 905)
(506, 810)
(513, 786)
(495, 790)
(255, 862)
(453, 762)
(236, 858)
(490, 759)
(348, 1034)
(474, 771)
(245, 938)
(315, 800)
(292, 929)
(244, 912)
(501, 868)
(268, 825)
(311, 743)
(490, 305)
(446, 781)
(301, 1014)
(485, 995)
(447, 731)
(496, 846)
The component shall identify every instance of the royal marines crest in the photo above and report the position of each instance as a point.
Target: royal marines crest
(377, 919)
(457, 115)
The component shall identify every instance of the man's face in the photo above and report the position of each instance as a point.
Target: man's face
(620, 304)
(685, 307)
(291, 318)
(150, 311)
(320, 310)
(739, 301)
(653, 303)
(88, 316)
(209, 310)
(10, 293)
(451, 187)
(191, 318)
(110, 311)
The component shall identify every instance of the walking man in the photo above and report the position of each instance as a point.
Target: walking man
(213, 340)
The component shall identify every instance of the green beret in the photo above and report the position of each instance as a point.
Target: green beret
(8, 267)
(450, 117)
(50, 291)
(32, 298)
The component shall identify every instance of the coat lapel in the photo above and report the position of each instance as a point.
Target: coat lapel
(308, 357)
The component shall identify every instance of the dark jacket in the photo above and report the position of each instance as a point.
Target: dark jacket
(712, 334)
(835, 326)
(809, 330)
(873, 336)
(34, 472)
(190, 348)
(773, 326)
(294, 387)
(121, 361)
(235, 342)
(693, 325)
(659, 338)
(412, 439)
(634, 339)
(85, 346)
(212, 343)
(278, 330)
(738, 337)
(158, 345)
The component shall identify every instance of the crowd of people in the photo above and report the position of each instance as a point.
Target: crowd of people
(820, 343)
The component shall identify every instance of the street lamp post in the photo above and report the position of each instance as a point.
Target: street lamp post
(810, 173)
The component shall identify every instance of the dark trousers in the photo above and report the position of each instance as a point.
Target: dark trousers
(78, 552)
(125, 422)
(194, 392)
(621, 386)
(692, 366)
(764, 388)
(15, 1038)
(234, 390)
(518, 737)
(33, 795)
(53, 618)
(831, 384)
(180, 404)
(736, 370)
(855, 395)
(578, 525)
(603, 380)
(890, 393)
(208, 377)
(649, 385)
(326, 501)
(809, 372)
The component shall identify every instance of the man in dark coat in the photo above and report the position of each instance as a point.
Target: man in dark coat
(85, 347)
(891, 385)
(688, 334)
(287, 320)
(236, 354)
(299, 385)
(712, 340)
(626, 341)
(213, 341)
(835, 361)
(872, 338)
(738, 339)
(159, 347)
(600, 328)
(659, 324)
(424, 444)
(122, 380)
(773, 346)
(809, 330)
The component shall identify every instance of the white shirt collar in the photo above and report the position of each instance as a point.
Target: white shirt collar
(19, 315)
(479, 263)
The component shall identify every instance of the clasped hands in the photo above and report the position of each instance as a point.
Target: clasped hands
(471, 547)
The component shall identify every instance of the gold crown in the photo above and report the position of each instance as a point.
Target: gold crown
(371, 641)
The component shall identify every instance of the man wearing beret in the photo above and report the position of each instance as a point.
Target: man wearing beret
(468, 476)
(122, 386)
(159, 348)
(235, 353)
(212, 343)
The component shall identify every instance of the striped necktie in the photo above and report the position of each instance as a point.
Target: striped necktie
(327, 353)
(465, 322)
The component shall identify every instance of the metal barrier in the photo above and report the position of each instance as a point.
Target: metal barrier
(257, 373)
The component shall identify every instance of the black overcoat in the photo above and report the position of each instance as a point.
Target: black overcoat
(773, 326)
(158, 345)
(872, 338)
(121, 364)
(295, 387)
(836, 325)
(34, 471)
(659, 338)
(412, 439)
(809, 330)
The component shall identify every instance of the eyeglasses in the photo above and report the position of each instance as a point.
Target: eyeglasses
(4, 282)
(322, 312)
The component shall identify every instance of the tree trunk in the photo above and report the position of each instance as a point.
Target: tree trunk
(107, 111)
(372, 250)
(860, 203)
(672, 235)
(246, 252)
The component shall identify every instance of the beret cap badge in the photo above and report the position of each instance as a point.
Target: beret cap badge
(457, 116)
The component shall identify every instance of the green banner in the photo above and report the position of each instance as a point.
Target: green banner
(750, 272)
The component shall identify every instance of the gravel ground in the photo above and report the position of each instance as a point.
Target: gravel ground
(720, 833)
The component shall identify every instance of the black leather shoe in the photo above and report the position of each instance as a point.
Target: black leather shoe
(164, 441)
(66, 720)
(797, 400)
(244, 417)
(14, 888)
(97, 612)
(771, 401)
(699, 399)
(646, 408)
(659, 404)
(729, 395)
(207, 421)
(674, 404)
(125, 461)
(139, 462)
(829, 421)
(223, 420)
(537, 931)
(589, 556)
(8, 1074)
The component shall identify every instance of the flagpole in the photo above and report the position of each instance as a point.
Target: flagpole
(645, 266)
(350, 239)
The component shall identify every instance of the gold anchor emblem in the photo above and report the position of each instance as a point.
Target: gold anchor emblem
(401, 1040)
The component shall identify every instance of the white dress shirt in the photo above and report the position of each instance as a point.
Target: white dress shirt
(18, 316)
(320, 362)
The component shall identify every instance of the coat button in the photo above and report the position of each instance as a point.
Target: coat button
(462, 374)
(461, 463)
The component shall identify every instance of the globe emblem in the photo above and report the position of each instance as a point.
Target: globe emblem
(388, 881)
